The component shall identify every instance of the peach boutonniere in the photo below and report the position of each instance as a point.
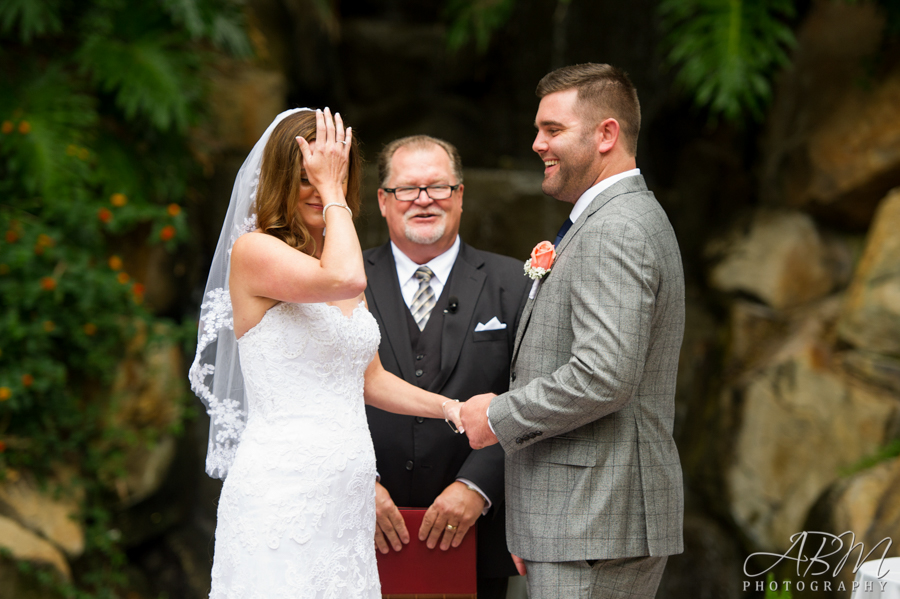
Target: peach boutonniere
(542, 257)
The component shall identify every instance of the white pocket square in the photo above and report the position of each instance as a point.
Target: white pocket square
(491, 325)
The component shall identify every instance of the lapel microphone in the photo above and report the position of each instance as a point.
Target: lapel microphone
(452, 305)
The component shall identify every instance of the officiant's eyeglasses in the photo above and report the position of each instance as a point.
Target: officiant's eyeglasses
(411, 194)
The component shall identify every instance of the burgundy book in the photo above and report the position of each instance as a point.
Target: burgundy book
(422, 573)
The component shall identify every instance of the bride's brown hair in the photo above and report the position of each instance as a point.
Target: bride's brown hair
(279, 181)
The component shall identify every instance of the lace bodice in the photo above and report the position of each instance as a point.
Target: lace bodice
(311, 351)
(296, 516)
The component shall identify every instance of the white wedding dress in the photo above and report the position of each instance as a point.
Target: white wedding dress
(296, 516)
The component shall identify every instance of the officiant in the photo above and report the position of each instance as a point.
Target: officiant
(448, 315)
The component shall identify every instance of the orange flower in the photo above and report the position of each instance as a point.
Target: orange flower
(123, 277)
(39, 249)
(24, 127)
(542, 255)
(49, 326)
(118, 199)
(7, 127)
(5, 393)
(104, 215)
(167, 233)
(27, 380)
(11, 236)
(45, 240)
(2, 446)
(173, 209)
(115, 262)
(89, 329)
(137, 289)
(48, 283)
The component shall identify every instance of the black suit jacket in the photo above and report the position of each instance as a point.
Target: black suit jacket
(419, 457)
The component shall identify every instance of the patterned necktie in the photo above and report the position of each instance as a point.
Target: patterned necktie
(423, 301)
(562, 232)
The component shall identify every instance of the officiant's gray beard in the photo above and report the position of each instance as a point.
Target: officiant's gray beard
(433, 235)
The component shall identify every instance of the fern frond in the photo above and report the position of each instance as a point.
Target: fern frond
(33, 17)
(726, 50)
(57, 115)
(476, 18)
(148, 78)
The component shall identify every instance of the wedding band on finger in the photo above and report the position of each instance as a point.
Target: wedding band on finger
(344, 142)
(451, 528)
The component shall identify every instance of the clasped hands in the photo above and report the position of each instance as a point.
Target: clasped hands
(470, 417)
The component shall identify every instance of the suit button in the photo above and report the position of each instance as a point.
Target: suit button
(420, 372)
(409, 465)
(539, 433)
(419, 419)
(420, 357)
(512, 376)
(519, 440)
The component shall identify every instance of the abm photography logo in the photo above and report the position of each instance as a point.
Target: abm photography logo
(811, 551)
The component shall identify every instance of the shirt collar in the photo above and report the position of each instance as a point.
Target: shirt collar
(588, 196)
(440, 265)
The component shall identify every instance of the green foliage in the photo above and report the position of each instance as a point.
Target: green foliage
(478, 19)
(95, 106)
(727, 50)
(888, 452)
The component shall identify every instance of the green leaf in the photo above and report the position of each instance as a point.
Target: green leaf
(33, 17)
(725, 51)
(149, 78)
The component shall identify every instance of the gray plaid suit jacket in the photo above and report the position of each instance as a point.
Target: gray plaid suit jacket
(592, 471)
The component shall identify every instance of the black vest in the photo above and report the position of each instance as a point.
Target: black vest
(426, 344)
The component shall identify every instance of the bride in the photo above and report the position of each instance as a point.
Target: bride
(285, 381)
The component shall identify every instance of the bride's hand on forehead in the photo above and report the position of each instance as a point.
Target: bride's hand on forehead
(327, 162)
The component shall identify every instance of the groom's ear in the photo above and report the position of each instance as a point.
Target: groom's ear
(607, 135)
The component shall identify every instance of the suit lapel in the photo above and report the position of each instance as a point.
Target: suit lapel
(626, 185)
(384, 289)
(466, 282)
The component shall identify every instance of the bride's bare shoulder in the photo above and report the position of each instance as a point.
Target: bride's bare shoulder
(253, 244)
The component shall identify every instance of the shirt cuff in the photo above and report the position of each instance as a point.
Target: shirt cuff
(474, 487)
(487, 415)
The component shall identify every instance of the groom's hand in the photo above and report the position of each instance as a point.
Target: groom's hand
(458, 506)
(474, 418)
(389, 524)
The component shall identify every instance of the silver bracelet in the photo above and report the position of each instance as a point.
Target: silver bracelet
(327, 206)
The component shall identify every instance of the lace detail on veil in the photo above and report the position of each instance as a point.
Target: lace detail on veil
(227, 418)
(215, 375)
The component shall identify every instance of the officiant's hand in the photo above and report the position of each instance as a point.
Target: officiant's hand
(389, 524)
(459, 507)
(473, 414)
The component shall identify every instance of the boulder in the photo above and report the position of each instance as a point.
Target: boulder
(833, 138)
(800, 419)
(871, 315)
(38, 510)
(147, 393)
(780, 258)
(25, 545)
(244, 99)
(862, 508)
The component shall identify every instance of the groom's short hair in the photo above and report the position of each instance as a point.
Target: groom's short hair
(603, 92)
(418, 142)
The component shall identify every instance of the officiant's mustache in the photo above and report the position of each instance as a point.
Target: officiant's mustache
(431, 211)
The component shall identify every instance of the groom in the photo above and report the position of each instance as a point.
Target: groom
(593, 479)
